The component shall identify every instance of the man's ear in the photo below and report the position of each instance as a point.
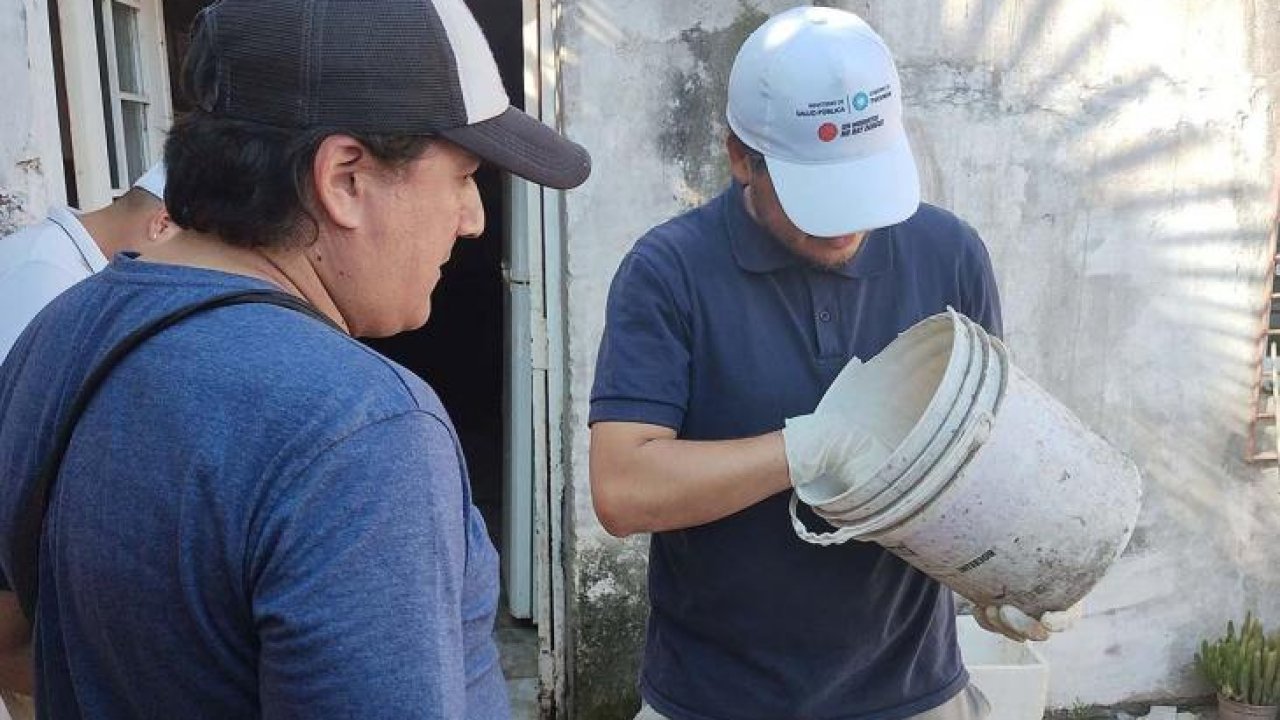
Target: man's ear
(159, 226)
(739, 161)
(340, 175)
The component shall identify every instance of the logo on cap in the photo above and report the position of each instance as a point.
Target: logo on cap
(861, 101)
(828, 132)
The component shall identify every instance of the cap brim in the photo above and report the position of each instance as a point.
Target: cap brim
(524, 146)
(839, 198)
(153, 181)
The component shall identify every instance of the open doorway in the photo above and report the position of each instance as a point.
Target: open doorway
(460, 350)
(463, 352)
(178, 16)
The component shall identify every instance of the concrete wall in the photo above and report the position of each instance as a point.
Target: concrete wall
(1119, 159)
(30, 153)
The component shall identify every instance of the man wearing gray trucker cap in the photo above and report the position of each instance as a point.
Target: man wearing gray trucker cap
(214, 502)
(724, 328)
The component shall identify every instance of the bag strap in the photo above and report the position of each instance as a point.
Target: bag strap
(30, 523)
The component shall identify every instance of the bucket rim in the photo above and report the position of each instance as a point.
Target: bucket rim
(921, 433)
(907, 506)
(976, 400)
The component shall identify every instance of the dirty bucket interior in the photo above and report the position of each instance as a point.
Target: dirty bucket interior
(903, 398)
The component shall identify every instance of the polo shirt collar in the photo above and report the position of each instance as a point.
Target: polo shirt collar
(89, 251)
(757, 251)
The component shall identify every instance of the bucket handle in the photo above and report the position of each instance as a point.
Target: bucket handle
(840, 535)
(973, 437)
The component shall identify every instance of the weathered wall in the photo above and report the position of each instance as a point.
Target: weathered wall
(643, 88)
(1119, 159)
(30, 154)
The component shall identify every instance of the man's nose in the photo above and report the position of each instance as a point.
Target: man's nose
(472, 225)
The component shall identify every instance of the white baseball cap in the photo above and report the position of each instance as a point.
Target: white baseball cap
(816, 92)
(153, 181)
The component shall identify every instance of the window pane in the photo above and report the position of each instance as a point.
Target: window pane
(124, 19)
(135, 138)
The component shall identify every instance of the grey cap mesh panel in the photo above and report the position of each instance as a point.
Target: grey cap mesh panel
(259, 57)
(374, 66)
(367, 65)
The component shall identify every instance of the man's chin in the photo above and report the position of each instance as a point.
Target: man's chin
(391, 329)
(423, 318)
(828, 261)
(822, 254)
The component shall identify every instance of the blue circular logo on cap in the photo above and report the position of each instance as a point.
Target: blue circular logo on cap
(861, 101)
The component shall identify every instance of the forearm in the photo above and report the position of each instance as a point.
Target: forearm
(669, 484)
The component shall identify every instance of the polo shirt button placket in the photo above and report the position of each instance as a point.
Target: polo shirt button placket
(824, 293)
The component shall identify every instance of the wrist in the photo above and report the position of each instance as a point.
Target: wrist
(776, 461)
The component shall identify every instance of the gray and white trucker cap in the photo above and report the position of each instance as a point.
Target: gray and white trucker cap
(420, 67)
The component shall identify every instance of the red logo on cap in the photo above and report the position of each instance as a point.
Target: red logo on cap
(828, 132)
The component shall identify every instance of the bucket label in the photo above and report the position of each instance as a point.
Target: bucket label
(976, 561)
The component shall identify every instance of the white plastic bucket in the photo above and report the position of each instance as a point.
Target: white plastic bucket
(1008, 500)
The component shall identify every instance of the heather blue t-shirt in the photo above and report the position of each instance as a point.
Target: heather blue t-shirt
(257, 517)
(715, 330)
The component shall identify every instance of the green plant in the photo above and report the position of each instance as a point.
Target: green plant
(1079, 711)
(1244, 667)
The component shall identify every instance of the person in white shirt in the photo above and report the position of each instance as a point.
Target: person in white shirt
(41, 260)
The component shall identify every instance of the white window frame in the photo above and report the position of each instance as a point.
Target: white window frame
(94, 183)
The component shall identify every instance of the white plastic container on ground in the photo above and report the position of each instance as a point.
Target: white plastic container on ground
(1013, 676)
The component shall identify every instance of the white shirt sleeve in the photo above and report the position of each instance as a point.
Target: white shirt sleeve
(24, 291)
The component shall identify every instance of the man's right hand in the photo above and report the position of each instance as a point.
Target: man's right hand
(830, 448)
(830, 444)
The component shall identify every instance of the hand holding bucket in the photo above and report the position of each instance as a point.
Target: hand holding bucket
(991, 486)
(829, 450)
(1018, 626)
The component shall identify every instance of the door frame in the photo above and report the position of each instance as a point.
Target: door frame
(536, 216)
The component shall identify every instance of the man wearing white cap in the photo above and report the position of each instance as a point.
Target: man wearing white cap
(730, 322)
(40, 261)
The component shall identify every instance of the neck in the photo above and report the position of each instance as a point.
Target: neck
(289, 269)
(109, 232)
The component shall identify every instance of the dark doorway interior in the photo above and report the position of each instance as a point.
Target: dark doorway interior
(460, 351)
(178, 15)
(64, 112)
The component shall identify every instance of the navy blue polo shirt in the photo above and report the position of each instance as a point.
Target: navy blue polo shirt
(717, 331)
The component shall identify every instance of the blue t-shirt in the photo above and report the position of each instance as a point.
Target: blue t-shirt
(717, 331)
(257, 517)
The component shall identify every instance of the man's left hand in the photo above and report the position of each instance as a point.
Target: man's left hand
(1018, 626)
